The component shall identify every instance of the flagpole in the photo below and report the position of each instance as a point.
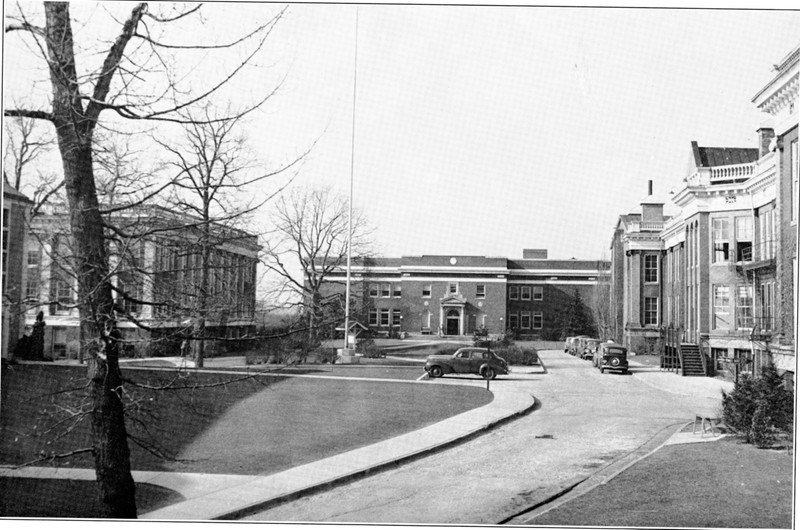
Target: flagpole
(346, 350)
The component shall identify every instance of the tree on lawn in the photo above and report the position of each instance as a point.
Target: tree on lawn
(213, 182)
(310, 230)
(136, 81)
(600, 303)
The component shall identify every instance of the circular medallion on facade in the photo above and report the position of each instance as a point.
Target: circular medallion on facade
(425, 303)
(480, 304)
(453, 261)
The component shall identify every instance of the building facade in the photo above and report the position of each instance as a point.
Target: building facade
(458, 295)
(721, 275)
(16, 208)
(157, 277)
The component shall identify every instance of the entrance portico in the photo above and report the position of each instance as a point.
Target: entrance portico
(452, 314)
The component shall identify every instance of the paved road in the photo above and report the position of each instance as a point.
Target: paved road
(587, 423)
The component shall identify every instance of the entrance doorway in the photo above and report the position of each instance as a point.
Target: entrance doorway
(453, 320)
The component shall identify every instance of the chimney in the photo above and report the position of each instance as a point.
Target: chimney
(765, 136)
(534, 253)
(649, 188)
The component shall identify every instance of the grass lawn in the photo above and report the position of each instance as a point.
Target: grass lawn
(257, 426)
(725, 484)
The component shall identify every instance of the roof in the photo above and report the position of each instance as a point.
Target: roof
(12, 192)
(552, 264)
(722, 156)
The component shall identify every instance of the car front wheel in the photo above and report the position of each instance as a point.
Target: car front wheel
(436, 371)
(488, 373)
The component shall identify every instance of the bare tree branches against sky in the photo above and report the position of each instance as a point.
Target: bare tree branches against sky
(485, 130)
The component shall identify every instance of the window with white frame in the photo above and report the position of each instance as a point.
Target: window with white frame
(513, 320)
(397, 290)
(651, 268)
(767, 295)
(651, 311)
(720, 234)
(452, 288)
(63, 291)
(722, 307)
(386, 290)
(743, 231)
(513, 292)
(373, 317)
(426, 291)
(538, 293)
(525, 320)
(744, 306)
(480, 291)
(384, 317)
(766, 235)
(537, 320)
(373, 290)
(396, 317)
(525, 292)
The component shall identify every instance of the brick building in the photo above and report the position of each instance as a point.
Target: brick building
(15, 212)
(457, 295)
(720, 276)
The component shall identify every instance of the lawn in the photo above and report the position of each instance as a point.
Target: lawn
(259, 425)
(724, 484)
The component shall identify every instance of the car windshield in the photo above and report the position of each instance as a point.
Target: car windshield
(615, 351)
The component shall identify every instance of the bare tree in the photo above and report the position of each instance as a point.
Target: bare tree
(214, 185)
(600, 301)
(311, 231)
(24, 145)
(136, 81)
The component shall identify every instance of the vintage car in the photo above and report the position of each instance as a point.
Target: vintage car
(575, 344)
(611, 356)
(588, 346)
(567, 344)
(480, 361)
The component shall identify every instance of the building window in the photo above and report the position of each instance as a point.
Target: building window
(513, 320)
(721, 236)
(794, 163)
(480, 291)
(386, 290)
(744, 307)
(63, 291)
(373, 317)
(538, 293)
(722, 304)
(384, 317)
(397, 290)
(767, 292)
(650, 311)
(452, 288)
(426, 291)
(651, 268)
(373, 290)
(513, 292)
(766, 235)
(537, 320)
(744, 238)
(396, 317)
(525, 292)
(525, 320)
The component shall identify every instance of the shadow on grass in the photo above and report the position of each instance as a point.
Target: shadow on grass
(29, 497)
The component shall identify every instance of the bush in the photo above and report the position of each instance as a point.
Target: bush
(759, 409)
(516, 355)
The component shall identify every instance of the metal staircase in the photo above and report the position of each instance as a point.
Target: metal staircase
(693, 361)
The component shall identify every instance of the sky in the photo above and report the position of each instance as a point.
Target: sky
(487, 130)
(482, 130)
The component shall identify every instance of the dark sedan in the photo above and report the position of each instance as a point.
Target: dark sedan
(480, 361)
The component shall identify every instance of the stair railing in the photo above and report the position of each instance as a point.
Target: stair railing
(680, 360)
(703, 358)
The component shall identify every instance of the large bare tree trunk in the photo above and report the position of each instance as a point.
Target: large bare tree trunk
(74, 131)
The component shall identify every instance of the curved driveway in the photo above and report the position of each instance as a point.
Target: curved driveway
(586, 422)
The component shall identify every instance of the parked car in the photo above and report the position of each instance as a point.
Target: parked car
(567, 344)
(588, 347)
(575, 344)
(611, 356)
(480, 361)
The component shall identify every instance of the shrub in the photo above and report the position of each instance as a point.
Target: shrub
(760, 409)
(515, 355)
